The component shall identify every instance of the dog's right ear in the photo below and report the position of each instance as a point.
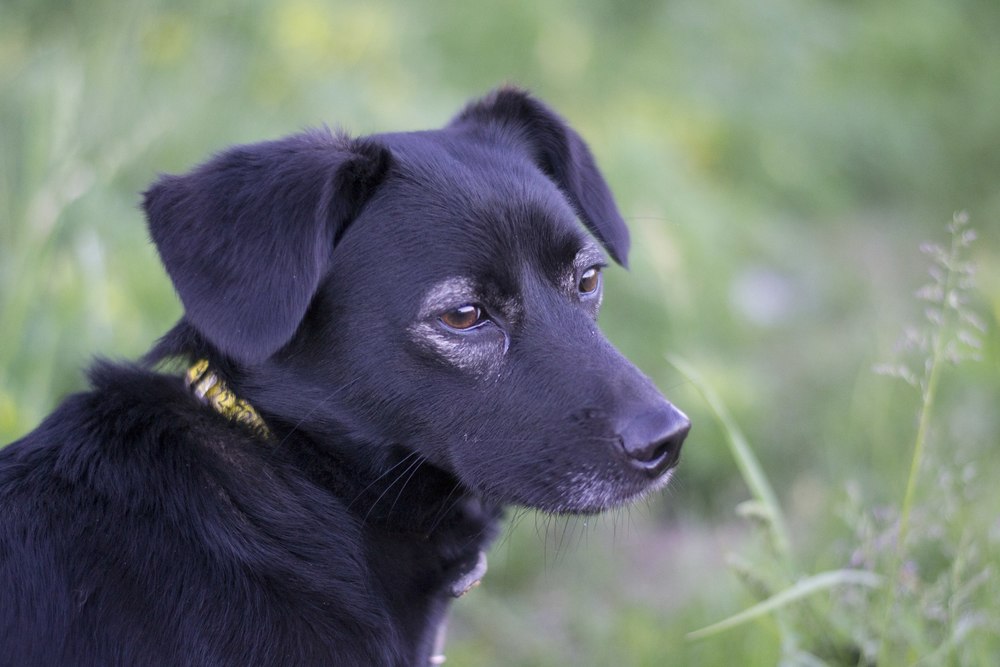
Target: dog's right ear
(560, 153)
(247, 236)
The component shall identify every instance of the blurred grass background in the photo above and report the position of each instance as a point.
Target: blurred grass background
(779, 163)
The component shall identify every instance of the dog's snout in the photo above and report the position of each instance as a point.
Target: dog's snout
(652, 441)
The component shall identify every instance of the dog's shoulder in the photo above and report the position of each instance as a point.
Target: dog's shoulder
(87, 434)
(135, 463)
(133, 437)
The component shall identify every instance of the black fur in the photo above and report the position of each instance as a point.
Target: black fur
(140, 527)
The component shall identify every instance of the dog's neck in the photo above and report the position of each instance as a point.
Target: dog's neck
(398, 493)
(399, 497)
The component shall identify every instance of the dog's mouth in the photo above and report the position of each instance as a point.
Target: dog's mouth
(583, 476)
(592, 492)
(645, 453)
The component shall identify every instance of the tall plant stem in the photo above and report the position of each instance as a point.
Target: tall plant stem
(928, 393)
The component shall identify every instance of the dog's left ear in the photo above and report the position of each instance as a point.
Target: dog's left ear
(247, 236)
(560, 153)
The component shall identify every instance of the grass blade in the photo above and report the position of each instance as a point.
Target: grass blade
(801, 589)
(746, 460)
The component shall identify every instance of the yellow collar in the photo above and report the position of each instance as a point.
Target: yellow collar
(211, 390)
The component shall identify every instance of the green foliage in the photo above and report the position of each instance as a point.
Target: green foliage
(932, 552)
(776, 160)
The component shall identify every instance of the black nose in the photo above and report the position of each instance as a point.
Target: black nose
(652, 441)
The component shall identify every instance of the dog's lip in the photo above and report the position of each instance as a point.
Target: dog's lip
(626, 495)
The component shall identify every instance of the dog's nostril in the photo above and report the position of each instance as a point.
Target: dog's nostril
(654, 451)
(653, 440)
(667, 446)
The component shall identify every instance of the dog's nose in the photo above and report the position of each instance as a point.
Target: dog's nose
(652, 441)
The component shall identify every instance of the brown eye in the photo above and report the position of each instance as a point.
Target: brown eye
(463, 317)
(590, 280)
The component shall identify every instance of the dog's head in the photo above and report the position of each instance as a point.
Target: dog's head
(437, 290)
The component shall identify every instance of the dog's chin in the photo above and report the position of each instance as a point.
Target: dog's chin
(586, 493)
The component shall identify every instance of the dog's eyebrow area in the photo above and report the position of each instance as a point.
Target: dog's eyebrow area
(479, 352)
(589, 255)
(448, 293)
(585, 254)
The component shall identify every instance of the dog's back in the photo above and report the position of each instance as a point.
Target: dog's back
(139, 531)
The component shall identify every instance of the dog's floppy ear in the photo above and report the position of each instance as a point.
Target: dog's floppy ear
(561, 154)
(247, 236)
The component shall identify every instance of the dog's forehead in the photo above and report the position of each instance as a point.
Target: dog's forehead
(477, 201)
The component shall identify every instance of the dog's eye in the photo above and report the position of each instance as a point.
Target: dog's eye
(590, 280)
(463, 317)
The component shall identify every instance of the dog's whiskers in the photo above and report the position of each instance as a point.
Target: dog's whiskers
(413, 470)
(512, 523)
(418, 460)
(539, 441)
(446, 506)
(320, 403)
(375, 481)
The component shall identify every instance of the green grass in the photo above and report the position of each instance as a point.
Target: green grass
(935, 623)
(778, 163)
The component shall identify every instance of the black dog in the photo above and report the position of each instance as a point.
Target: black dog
(389, 339)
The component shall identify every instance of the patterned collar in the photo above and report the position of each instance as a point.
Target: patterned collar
(212, 390)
